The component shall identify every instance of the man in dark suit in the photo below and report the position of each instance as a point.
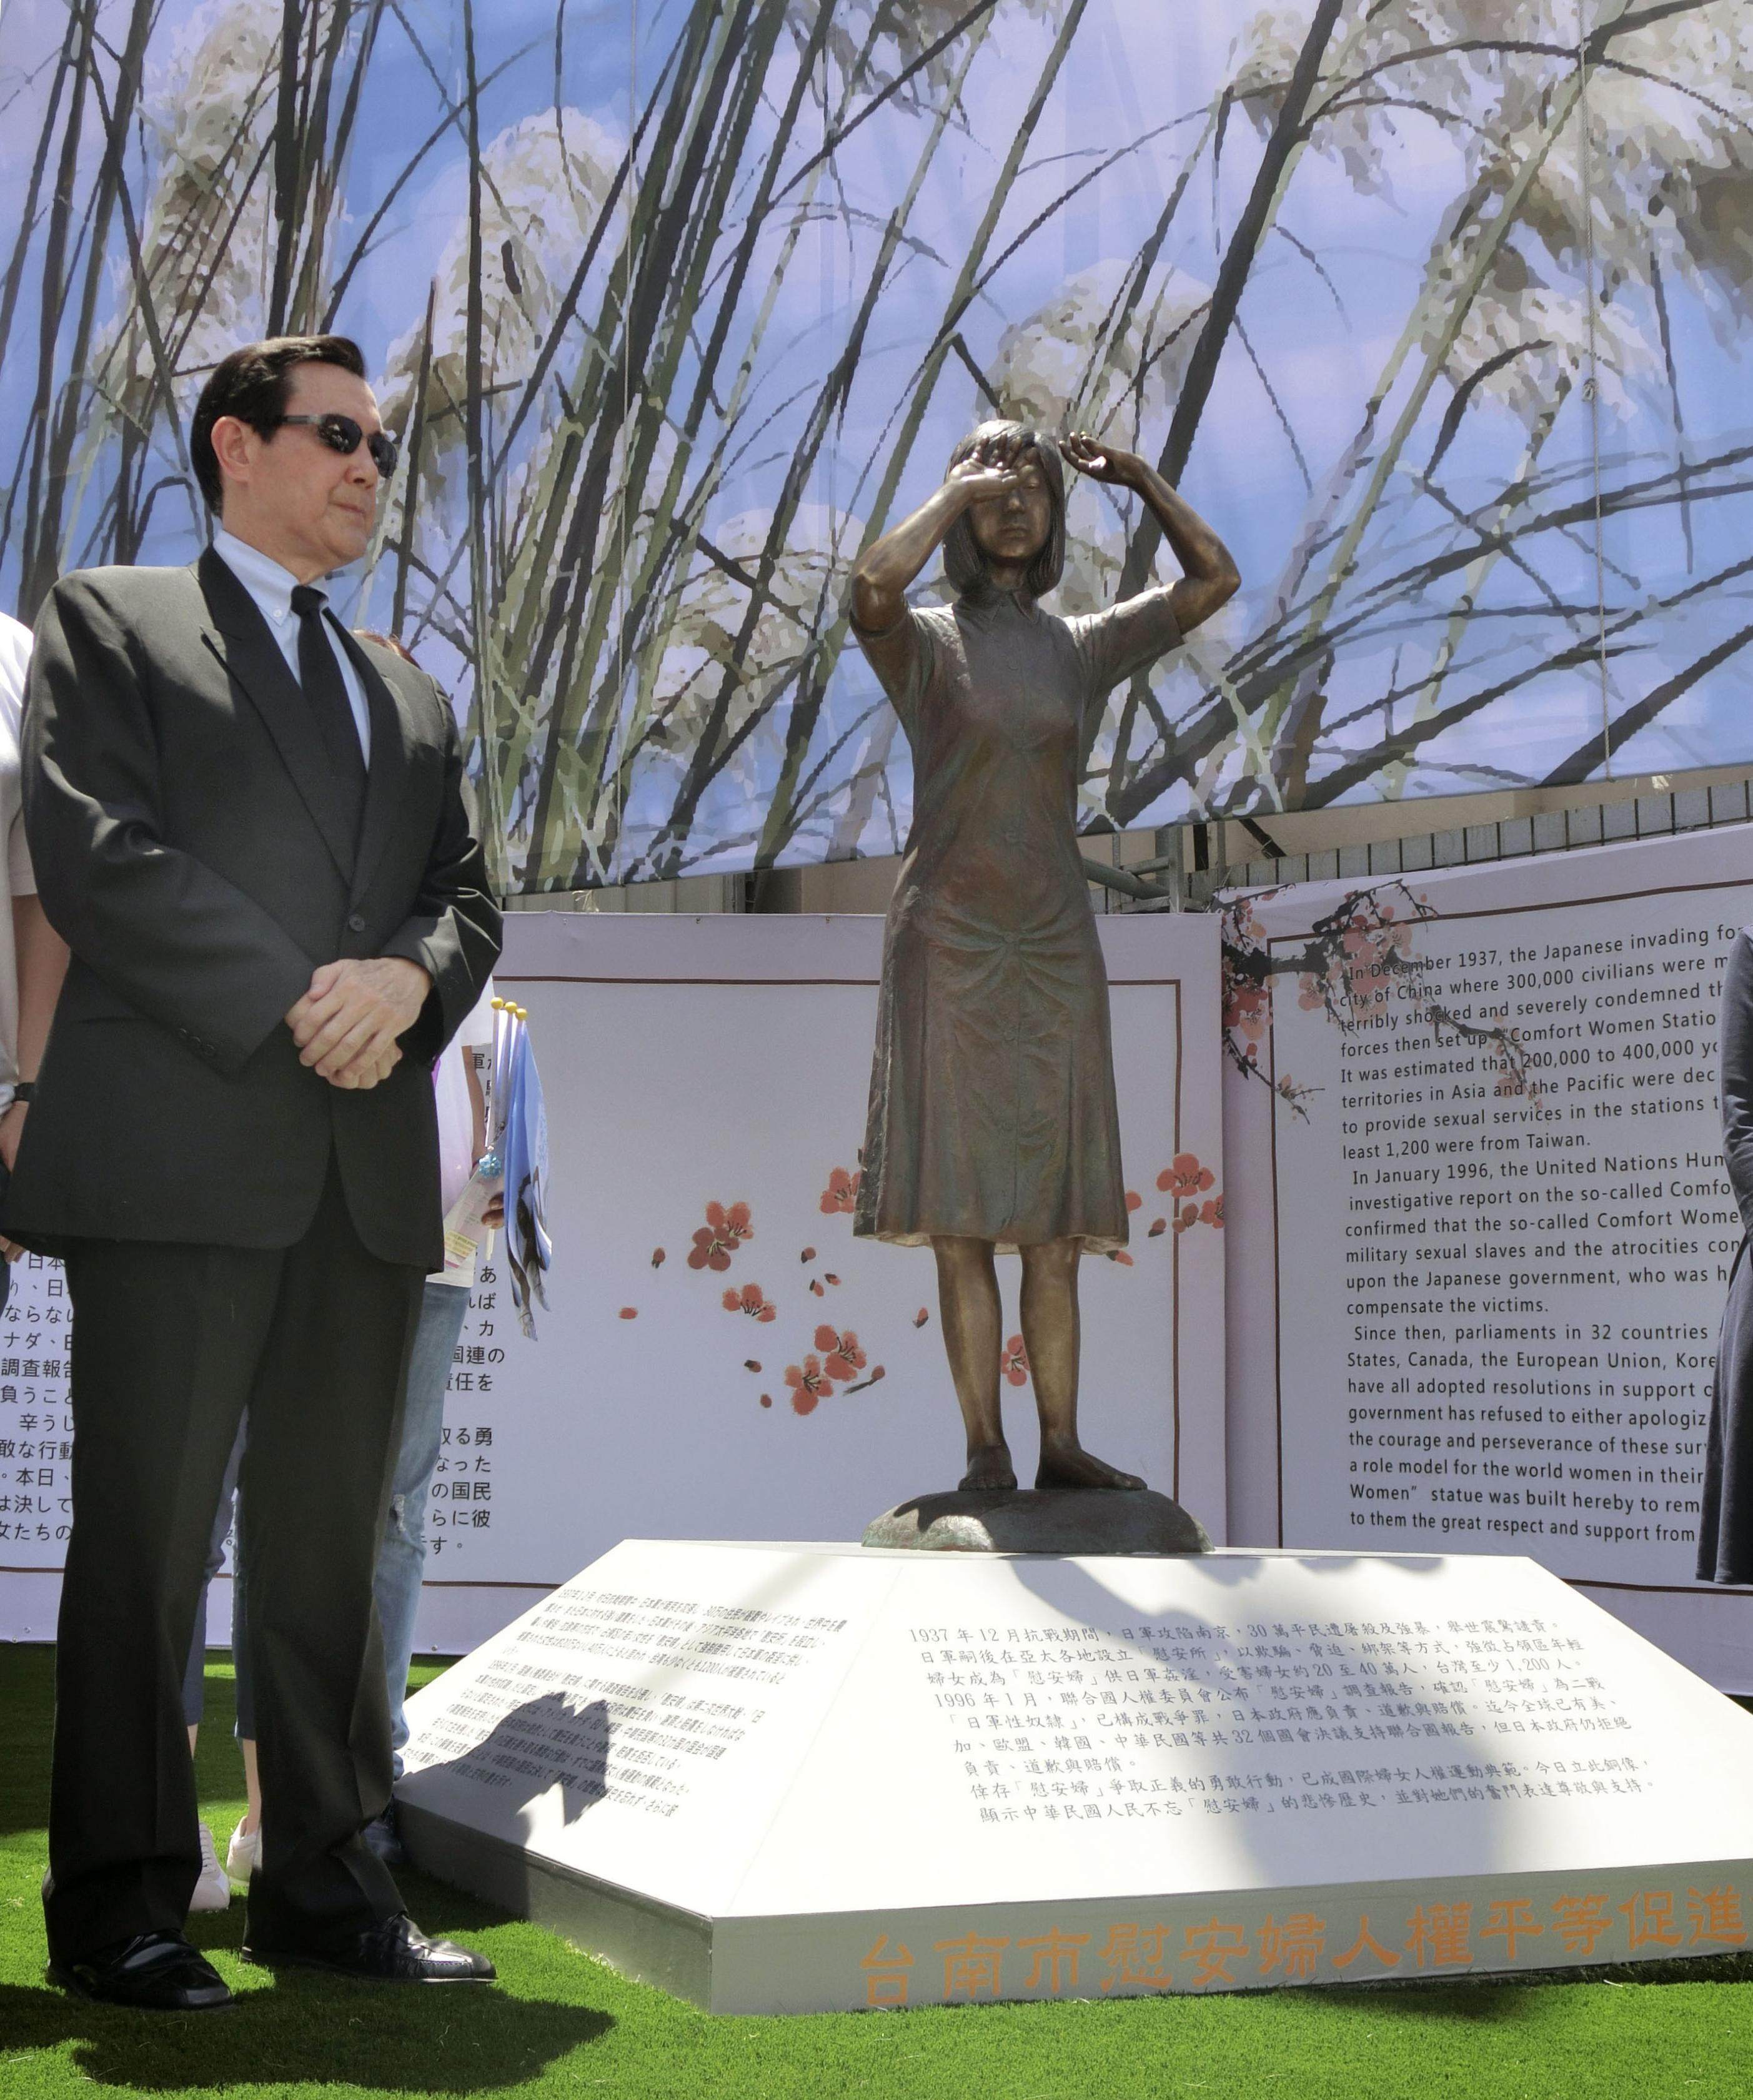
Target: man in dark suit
(249, 827)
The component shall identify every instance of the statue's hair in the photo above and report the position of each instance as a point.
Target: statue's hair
(966, 564)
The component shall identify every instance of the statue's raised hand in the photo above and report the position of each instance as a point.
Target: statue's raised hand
(993, 468)
(1100, 462)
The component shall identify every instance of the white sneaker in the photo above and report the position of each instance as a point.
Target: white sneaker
(243, 1855)
(212, 1892)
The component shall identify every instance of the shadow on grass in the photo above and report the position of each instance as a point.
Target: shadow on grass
(1494, 1998)
(446, 1913)
(394, 2037)
(298, 2028)
(1464, 2000)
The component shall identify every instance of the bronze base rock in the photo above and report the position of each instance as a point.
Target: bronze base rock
(1033, 1520)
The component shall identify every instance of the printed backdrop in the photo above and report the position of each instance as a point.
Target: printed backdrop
(1479, 1221)
(720, 1359)
(1438, 308)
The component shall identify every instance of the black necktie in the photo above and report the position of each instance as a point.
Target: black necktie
(326, 696)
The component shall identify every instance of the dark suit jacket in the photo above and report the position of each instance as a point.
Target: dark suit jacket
(183, 823)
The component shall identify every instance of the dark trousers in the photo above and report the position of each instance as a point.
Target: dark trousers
(170, 1344)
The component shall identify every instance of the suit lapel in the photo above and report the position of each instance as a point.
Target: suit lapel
(387, 775)
(242, 640)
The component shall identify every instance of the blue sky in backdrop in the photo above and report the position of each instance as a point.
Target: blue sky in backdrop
(1479, 274)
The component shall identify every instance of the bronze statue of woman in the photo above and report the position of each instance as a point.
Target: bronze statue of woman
(992, 1119)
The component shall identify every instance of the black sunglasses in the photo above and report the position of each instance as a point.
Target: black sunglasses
(341, 434)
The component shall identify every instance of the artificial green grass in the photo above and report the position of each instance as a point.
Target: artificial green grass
(560, 2023)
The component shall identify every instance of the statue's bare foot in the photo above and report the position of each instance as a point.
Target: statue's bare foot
(989, 1470)
(1070, 1466)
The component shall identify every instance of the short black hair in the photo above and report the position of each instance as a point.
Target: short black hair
(964, 563)
(252, 384)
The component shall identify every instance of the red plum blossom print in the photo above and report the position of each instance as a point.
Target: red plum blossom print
(1185, 1176)
(1247, 1013)
(839, 1362)
(1355, 954)
(1247, 1003)
(1186, 1180)
(1353, 962)
(724, 1232)
(841, 1193)
(1014, 1361)
(809, 1386)
(843, 1359)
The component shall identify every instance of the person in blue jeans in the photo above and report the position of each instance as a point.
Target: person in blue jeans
(402, 1554)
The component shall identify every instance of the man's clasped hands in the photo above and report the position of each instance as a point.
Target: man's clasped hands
(345, 1026)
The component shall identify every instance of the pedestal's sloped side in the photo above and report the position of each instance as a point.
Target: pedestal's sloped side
(641, 1725)
(787, 1778)
(1018, 1729)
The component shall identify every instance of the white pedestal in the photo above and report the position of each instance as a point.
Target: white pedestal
(800, 1778)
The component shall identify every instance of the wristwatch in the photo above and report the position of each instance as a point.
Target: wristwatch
(24, 1091)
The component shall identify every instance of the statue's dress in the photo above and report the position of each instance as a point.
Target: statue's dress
(991, 1105)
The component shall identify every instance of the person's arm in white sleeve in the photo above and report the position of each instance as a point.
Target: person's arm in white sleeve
(40, 956)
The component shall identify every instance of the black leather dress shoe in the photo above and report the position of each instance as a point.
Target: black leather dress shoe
(395, 1951)
(154, 1972)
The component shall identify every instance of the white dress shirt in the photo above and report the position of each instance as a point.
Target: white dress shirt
(271, 588)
